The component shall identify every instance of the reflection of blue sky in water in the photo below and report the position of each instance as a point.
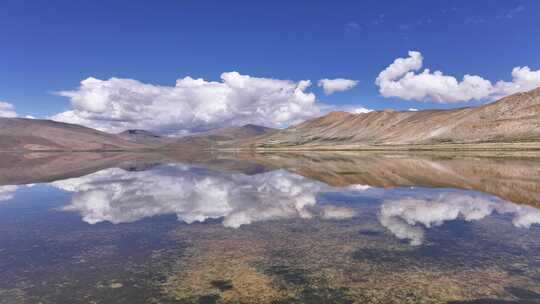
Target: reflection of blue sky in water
(195, 195)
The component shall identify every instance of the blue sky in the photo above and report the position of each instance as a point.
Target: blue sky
(50, 46)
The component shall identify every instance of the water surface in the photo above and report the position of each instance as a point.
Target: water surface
(269, 228)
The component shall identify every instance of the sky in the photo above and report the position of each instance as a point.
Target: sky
(183, 66)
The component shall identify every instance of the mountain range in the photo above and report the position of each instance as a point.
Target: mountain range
(512, 122)
(513, 119)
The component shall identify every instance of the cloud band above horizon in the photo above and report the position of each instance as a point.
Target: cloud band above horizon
(191, 105)
(194, 105)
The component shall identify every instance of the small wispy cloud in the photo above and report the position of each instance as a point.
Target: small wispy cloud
(510, 14)
(424, 21)
(331, 86)
(414, 24)
(446, 10)
(354, 26)
(474, 20)
(513, 12)
(405, 27)
(378, 20)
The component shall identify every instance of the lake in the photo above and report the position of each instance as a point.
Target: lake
(323, 227)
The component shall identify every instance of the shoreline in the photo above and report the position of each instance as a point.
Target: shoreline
(457, 147)
(502, 146)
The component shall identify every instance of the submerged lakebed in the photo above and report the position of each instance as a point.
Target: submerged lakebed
(269, 228)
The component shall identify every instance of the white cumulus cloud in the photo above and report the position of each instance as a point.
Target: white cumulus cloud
(401, 79)
(523, 79)
(191, 104)
(331, 86)
(7, 110)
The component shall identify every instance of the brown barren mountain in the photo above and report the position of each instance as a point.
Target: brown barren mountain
(21, 134)
(219, 137)
(514, 119)
(230, 133)
(18, 134)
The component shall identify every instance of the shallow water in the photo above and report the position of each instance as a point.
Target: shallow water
(270, 228)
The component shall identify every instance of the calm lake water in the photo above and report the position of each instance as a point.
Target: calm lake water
(269, 228)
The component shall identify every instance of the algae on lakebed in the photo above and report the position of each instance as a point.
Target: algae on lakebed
(317, 261)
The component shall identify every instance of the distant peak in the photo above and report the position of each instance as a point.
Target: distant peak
(252, 126)
(139, 132)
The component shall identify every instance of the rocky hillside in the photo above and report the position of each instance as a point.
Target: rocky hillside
(20, 134)
(222, 137)
(44, 135)
(515, 118)
(231, 133)
(146, 138)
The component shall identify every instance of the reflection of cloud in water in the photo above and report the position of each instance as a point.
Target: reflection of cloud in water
(402, 216)
(7, 192)
(359, 187)
(192, 194)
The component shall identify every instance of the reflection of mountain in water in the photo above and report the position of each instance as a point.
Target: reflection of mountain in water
(195, 194)
(512, 178)
(404, 216)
